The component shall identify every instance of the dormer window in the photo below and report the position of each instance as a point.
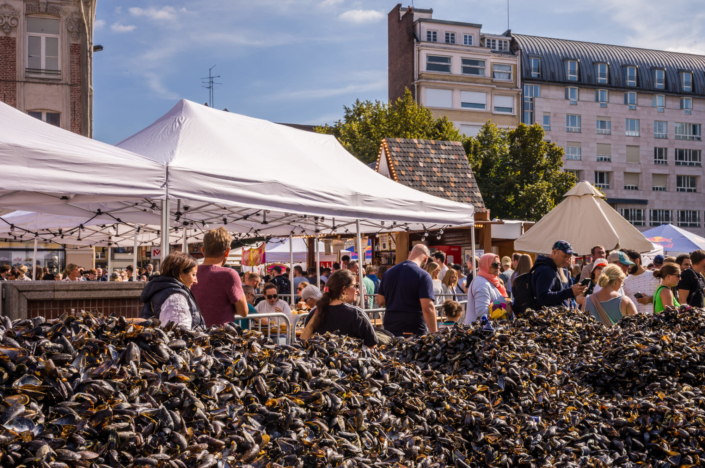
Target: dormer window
(497, 44)
(659, 79)
(450, 38)
(467, 39)
(535, 67)
(687, 82)
(432, 36)
(601, 73)
(571, 70)
(630, 76)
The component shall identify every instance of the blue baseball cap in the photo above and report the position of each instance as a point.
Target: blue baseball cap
(658, 259)
(564, 247)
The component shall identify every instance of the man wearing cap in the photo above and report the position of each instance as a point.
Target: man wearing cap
(507, 273)
(658, 261)
(597, 253)
(549, 282)
(619, 258)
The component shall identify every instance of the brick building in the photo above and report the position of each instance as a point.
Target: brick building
(454, 69)
(45, 60)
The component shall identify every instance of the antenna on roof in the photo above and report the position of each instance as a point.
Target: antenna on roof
(507, 14)
(210, 84)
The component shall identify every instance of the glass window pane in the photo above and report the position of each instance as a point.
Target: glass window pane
(53, 118)
(43, 25)
(51, 47)
(35, 114)
(34, 47)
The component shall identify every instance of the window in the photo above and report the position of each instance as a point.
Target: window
(631, 181)
(575, 173)
(43, 46)
(472, 100)
(633, 155)
(571, 94)
(688, 157)
(686, 183)
(439, 98)
(450, 38)
(436, 63)
(504, 104)
(467, 39)
(630, 76)
(659, 102)
(659, 217)
(497, 44)
(688, 218)
(634, 215)
(688, 131)
(661, 156)
(53, 118)
(602, 96)
(602, 180)
(632, 127)
(687, 105)
(571, 70)
(659, 182)
(630, 100)
(604, 126)
(530, 92)
(601, 73)
(547, 122)
(572, 123)
(659, 79)
(470, 130)
(535, 67)
(604, 152)
(501, 72)
(573, 151)
(473, 67)
(660, 129)
(686, 82)
(432, 36)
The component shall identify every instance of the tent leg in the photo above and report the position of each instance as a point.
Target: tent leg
(361, 263)
(110, 263)
(165, 230)
(318, 264)
(134, 256)
(184, 245)
(472, 250)
(34, 260)
(291, 268)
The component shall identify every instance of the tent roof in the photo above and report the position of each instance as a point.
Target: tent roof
(584, 219)
(674, 239)
(42, 163)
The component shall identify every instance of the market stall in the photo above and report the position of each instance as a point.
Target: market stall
(674, 240)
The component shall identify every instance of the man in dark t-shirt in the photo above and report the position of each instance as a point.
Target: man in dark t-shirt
(407, 293)
(692, 283)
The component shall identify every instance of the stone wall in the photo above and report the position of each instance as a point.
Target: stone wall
(8, 70)
(50, 299)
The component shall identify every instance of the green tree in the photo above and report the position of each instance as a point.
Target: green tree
(519, 174)
(367, 123)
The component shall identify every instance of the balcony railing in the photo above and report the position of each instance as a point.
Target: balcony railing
(42, 71)
(572, 129)
(604, 131)
(631, 187)
(604, 159)
(658, 188)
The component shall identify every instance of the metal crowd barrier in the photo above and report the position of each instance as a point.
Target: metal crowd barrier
(277, 316)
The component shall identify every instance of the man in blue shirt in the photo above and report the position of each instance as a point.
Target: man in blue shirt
(407, 292)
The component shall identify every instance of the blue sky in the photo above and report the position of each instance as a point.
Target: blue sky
(301, 61)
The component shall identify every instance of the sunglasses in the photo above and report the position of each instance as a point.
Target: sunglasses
(495, 265)
(356, 286)
(272, 296)
(299, 289)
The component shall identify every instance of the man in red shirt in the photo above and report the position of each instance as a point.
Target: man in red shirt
(218, 292)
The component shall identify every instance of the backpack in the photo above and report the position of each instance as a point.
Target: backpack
(523, 292)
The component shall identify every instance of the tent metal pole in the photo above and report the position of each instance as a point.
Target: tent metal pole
(110, 263)
(134, 256)
(165, 230)
(360, 263)
(318, 263)
(34, 267)
(291, 267)
(184, 245)
(472, 251)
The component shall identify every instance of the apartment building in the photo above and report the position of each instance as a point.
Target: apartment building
(45, 57)
(630, 121)
(454, 69)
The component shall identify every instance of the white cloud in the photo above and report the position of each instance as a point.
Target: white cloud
(359, 16)
(320, 93)
(328, 3)
(99, 24)
(165, 13)
(154, 82)
(118, 10)
(122, 28)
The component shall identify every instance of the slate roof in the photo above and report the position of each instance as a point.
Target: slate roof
(438, 168)
(553, 53)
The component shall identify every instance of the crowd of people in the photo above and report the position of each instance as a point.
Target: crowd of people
(74, 272)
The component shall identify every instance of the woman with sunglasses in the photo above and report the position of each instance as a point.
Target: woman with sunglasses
(272, 304)
(335, 314)
(485, 290)
(670, 275)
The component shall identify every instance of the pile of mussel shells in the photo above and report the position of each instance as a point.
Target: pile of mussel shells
(554, 388)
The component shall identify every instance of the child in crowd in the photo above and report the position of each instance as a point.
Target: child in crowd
(452, 311)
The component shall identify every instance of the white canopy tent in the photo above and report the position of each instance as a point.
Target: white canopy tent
(278, 250)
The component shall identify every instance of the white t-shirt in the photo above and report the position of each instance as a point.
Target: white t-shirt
(264, 308)
(438, 290)
(444, 270)
(644, 283)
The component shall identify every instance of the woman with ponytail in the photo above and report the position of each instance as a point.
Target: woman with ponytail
(334, 312)
(670, 275)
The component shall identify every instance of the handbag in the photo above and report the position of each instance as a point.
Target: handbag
(497, 310)
(604, 318)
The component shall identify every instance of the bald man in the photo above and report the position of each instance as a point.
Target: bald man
(407, 293)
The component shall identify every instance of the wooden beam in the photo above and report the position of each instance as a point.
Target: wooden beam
(402, 246)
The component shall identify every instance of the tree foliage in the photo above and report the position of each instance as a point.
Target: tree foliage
(519, 174)
(367, 123)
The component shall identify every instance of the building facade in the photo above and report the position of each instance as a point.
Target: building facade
(45, 55)
(454, 69)
(630, 121)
